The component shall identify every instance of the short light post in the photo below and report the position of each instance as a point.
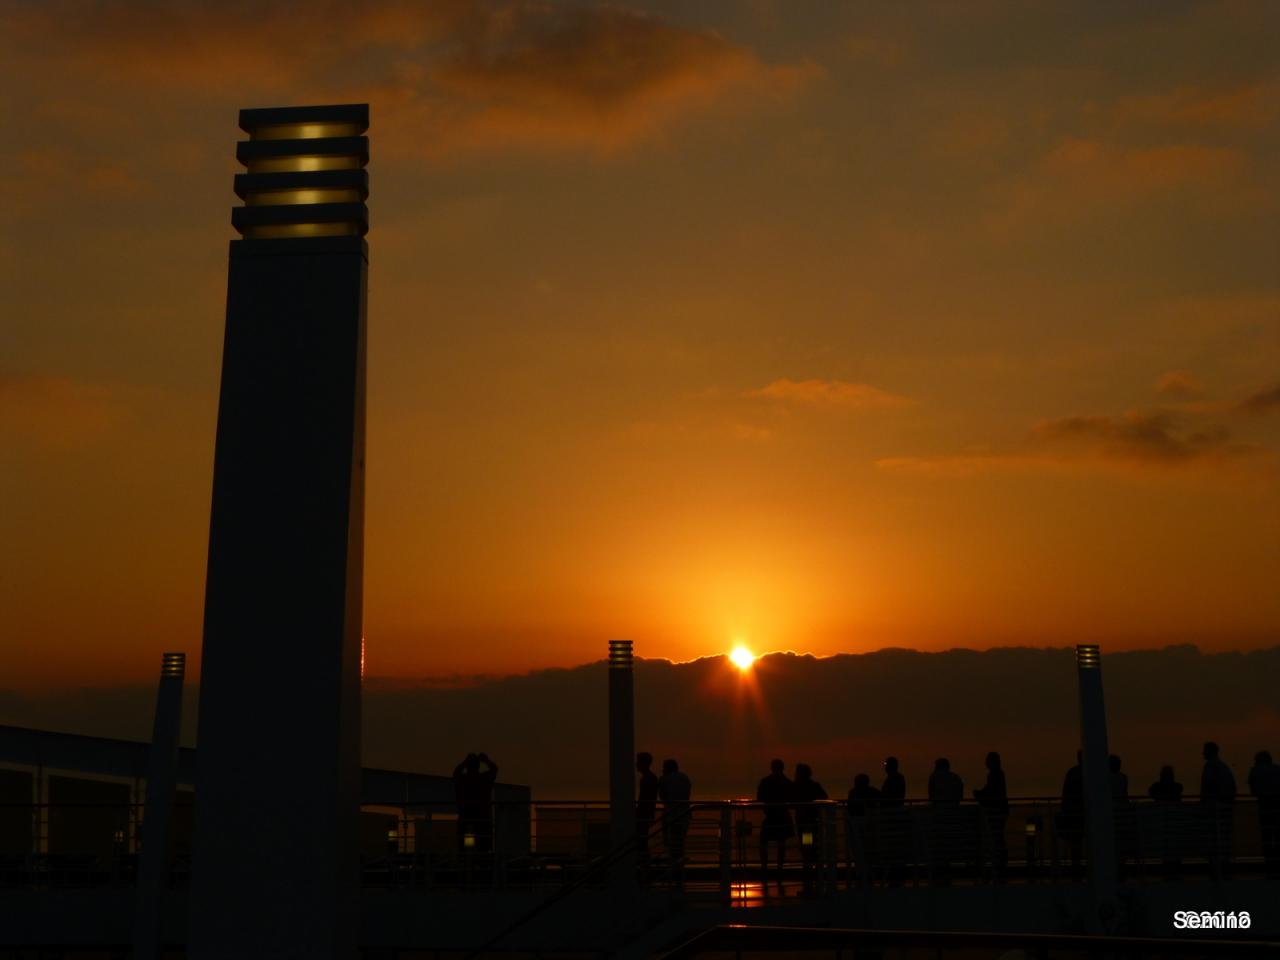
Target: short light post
(1096, 769)
(622, 758)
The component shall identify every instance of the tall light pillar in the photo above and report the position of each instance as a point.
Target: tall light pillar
(157, 823)
(622, 759)
(275, 869)
(1096, 770)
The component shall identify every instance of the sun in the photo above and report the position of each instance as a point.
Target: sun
(742, 657)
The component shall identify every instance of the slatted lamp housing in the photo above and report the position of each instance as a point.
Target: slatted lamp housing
(305, 173)
(620, 656)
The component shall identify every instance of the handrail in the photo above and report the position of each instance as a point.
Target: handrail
(608, 860)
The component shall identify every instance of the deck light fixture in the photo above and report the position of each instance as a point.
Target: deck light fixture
(173, 664)
(304, 177)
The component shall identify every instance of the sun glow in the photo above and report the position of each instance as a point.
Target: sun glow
(742, 657)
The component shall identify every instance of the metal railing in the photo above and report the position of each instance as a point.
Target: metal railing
(713, 851)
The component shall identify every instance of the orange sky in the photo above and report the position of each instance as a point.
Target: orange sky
(920, 325)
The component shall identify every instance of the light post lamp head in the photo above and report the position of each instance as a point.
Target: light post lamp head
(304, 172)
(620, 656)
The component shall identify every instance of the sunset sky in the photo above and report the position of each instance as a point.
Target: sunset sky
(814, 327)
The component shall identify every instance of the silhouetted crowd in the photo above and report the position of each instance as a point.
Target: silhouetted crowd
(790, 810)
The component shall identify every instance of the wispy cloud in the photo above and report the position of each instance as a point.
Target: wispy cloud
(1180, 435)
(1250, 105)
(829, 393)
(458, 76)
(1139, 437)
(1179, 385)
(1264, 401)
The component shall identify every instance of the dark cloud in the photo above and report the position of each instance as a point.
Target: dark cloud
(460, 75)
(843, 714)
(1157, 438)
(1265, 401)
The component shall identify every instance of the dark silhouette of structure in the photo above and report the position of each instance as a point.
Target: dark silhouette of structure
(473, 789)
(1098, 791)
(280, 664)
(774, 792)
(162, 790)
(622, 752)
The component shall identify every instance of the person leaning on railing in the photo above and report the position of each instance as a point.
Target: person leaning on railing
(805, 792)
(993, 798)
(1264, 784)
(1217, 799)
(675, 789)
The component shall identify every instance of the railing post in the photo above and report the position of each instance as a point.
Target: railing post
(1099, 817)
(622, 759)
(157, 814)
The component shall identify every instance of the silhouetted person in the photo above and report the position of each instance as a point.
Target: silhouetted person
(1166, 789)
(473, 790)
(993, 799)
(862, 799)
(1264, 784)
(674, 788)
(1217, 782)
(894, 789)
(805, 792)
(1167, 815)
(646, 805)
(775, 793)
(945, 785)
(1071, 821)
(1119, 779)
(894, 826)
(1123, 821)
(863, 796)
(946, 790)
(1217, 797)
